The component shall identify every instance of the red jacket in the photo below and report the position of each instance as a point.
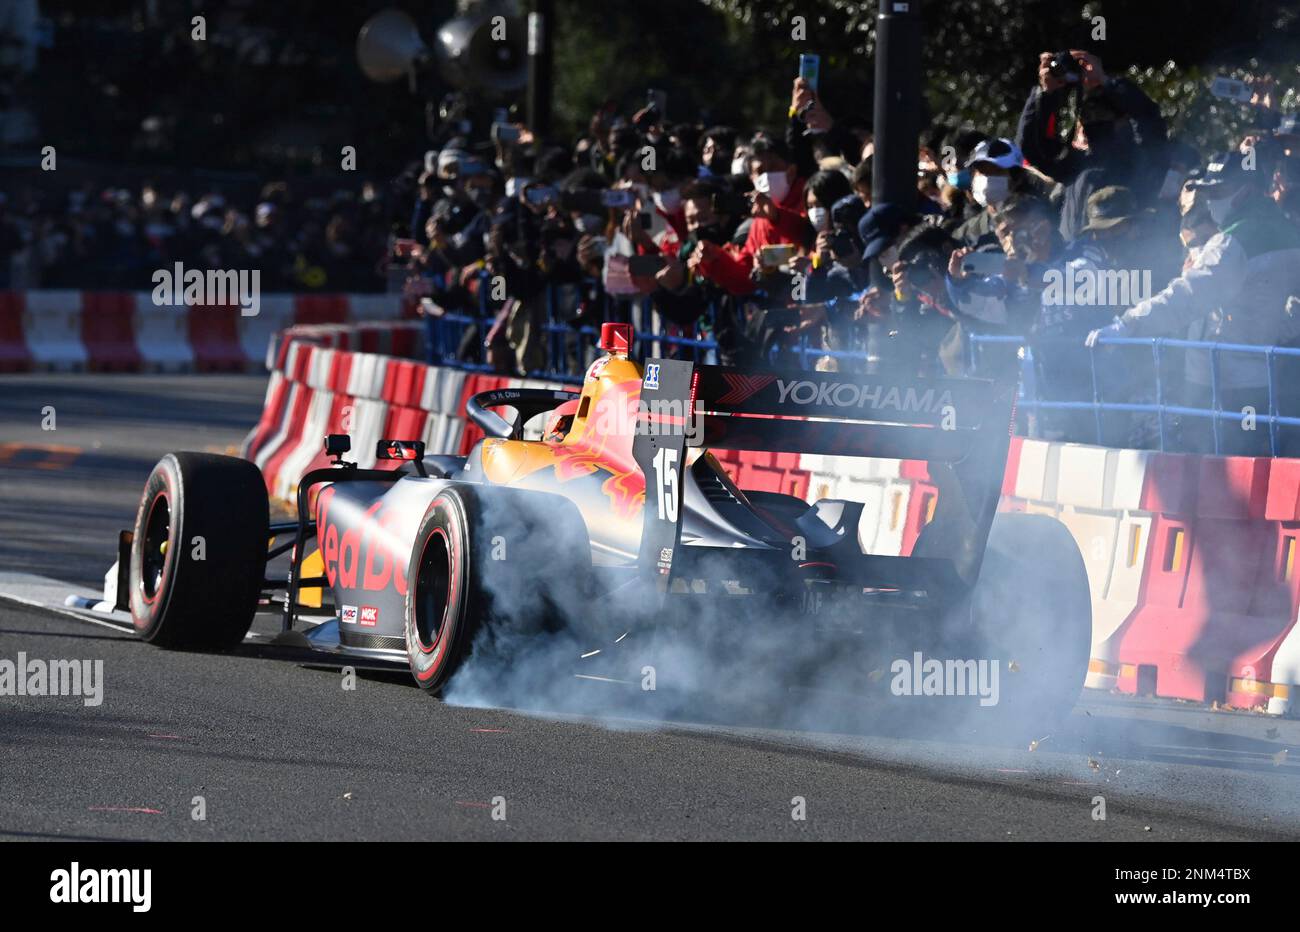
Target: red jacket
(730, 268)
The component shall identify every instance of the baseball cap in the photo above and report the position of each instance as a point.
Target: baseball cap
(880, 226)
(1001, 152)
(1223, 170)
(1109, 207)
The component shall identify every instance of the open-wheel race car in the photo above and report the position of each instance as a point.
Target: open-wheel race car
(618, 518)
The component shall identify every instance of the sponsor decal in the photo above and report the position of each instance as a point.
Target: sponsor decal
(651, 375)
(369, 616)
(348, 615)
(850, 395)
(358, 556)
(597, 367)
(743, 387)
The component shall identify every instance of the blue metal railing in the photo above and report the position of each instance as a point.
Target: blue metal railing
(568, 341)
(1273, 418)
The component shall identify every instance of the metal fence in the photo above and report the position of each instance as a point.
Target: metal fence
(570, 347)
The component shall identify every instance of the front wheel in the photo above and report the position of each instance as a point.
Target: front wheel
(198, 557)
(511, 564)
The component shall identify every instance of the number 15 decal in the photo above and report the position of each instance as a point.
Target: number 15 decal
(666, 483)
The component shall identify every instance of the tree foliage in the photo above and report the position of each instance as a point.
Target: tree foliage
(733, 60)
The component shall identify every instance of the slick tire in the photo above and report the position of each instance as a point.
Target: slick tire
(198, 558)
(495, 564)
(1031, 611)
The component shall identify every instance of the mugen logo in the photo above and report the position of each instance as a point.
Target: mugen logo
(849, 395)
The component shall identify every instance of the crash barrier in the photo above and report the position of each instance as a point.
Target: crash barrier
(319, 386)
(1191, 559)
(128, 332)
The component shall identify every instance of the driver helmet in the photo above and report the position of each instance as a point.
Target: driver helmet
(561, 419)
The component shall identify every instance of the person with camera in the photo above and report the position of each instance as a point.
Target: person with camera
(1235, 290)
(778, 212)
(916, 334)
(682, 296)
(1088, 130)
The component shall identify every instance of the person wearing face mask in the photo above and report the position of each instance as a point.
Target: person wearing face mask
(1088, 130)
(778, 212)
(996, 173)
(1234, 291)
(683, 296)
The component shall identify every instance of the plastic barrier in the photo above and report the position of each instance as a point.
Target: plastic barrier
(108, 331)
(127, 331)
(161, 336)
(52, 325)
(14, 354)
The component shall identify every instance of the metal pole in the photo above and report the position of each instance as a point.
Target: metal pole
(898, 103)
(541, 27)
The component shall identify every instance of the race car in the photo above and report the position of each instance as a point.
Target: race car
(603, 511)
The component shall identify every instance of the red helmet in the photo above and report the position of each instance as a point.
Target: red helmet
(560, 420)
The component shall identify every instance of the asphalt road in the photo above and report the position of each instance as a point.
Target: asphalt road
(272, 748)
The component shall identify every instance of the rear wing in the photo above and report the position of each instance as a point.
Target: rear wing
(961, 427)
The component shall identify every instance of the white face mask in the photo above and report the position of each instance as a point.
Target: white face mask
(774, 184)
(820, 218)
(1172, 185)
(669, 201)
(989, 189)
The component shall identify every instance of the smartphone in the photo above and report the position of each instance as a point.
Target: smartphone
(646, 265)
(618, 198)
(984, 263)
(1231, 89)
(774, 256)
(404, 248)
(659, 100)
(809, 68)
(504, 132)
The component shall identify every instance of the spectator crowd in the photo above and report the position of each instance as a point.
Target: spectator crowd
(95, 237)
(1018, 257)
(1091, 224)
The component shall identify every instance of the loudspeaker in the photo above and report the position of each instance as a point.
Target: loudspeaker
(389, 46)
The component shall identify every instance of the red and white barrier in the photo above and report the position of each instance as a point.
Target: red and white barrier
(1192, 560)
(127, 331)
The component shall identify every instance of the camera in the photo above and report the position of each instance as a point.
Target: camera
(845, 214)
(1065, 67)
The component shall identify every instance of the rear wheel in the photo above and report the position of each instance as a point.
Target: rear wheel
(198, 557)
(1032, 612)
